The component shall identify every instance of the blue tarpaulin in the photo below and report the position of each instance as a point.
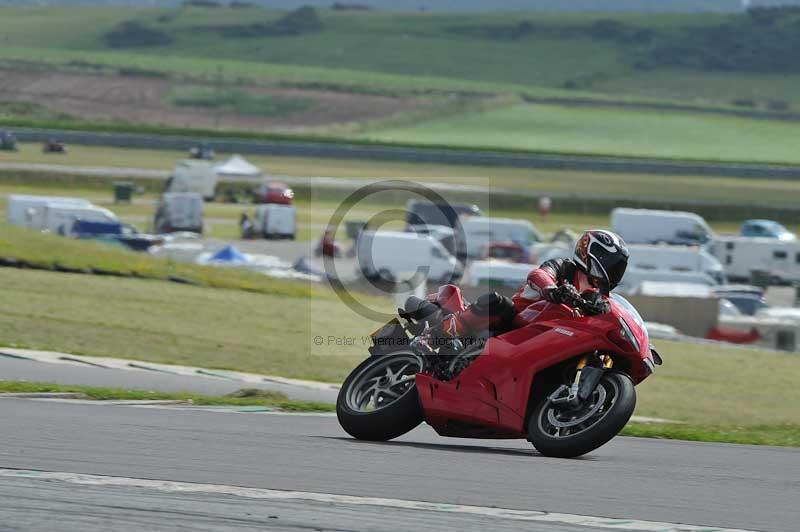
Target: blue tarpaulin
(228, 254)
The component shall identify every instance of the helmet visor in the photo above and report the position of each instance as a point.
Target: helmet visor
(608, 264)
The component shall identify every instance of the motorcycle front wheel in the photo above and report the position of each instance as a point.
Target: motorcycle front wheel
(378, 401)
(567, 431)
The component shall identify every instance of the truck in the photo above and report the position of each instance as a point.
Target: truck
(676, 259)
(647, 226)
(396, 256)
(194, 175)
(778, 260)
(179, 211)
(479, 232)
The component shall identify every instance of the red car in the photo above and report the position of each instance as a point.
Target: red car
(273, 192)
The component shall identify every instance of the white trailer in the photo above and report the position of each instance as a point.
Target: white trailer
(741, 256)
(399, 256)
(675, 259)
(480, 231)
(646, 226)
(179, 211)
(275, 220)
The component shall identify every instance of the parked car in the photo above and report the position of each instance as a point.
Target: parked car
(646, 226)
(766, 229)
(273, 192)
(8, 142)
(114, 232)
(274, 220)
(423, 212)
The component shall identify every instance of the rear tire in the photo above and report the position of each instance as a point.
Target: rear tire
(619, 401)
(390, 417)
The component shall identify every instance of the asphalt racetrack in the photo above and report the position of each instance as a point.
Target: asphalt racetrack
(92, 468)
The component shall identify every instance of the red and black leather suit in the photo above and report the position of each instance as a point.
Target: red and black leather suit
(493, 311)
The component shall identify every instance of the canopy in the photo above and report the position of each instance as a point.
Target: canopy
(228, 254)
(238, 166)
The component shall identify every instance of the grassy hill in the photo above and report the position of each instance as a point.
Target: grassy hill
(593, 52)
(739, 64)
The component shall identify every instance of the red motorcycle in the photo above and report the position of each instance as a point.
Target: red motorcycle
(564, 381)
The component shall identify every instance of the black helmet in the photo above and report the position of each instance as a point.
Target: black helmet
(600, 254)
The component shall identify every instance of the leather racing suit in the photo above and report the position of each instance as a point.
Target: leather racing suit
(495, 312)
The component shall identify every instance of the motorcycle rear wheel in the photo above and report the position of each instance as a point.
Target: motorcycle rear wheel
(378, 401)
(567, 432)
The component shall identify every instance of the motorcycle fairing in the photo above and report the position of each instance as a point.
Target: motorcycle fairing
(494, 391)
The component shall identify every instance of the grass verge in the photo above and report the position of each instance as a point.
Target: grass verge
(783, 435)
(51, 252)
(244, 397)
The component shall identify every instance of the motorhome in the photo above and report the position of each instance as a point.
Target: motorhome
(399, 256)
(480, 231)
(676, 259)
(646, 226)
(779, 260)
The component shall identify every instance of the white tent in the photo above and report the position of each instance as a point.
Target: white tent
(237, 166)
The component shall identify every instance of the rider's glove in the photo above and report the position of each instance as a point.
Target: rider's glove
(595, 303)
(566, 294)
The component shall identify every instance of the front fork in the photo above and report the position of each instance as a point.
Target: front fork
(586, 380)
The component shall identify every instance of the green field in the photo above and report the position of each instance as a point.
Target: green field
(551, 128)
(607, 60)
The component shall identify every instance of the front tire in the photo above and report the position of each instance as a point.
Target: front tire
(565, 432)
(378, 401)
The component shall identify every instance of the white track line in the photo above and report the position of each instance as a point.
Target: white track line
(326, 498)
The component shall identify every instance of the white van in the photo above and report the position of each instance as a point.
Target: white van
(398, 256)
(277, 221)
(645, 226)
(179, 211)
(29, 211)
(480, 231)
(494, 274)
(193, 175)
(741, 255)
(676, 259)
(59, 217)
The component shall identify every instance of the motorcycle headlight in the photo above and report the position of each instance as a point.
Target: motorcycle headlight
(628, 335)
